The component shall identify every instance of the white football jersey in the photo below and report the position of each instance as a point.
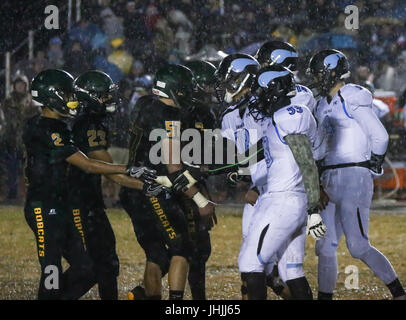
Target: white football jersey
(245, 132)
(258, 170)
(348, 127)
(304, 96)
(232, 128)
(283, 173)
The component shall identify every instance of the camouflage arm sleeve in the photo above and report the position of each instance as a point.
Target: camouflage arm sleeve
(300, 146)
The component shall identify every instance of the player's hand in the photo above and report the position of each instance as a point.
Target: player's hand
(315, 226)
(154, 189)
(375, 164)
(251, 197)
(143, 173)
(324, 199)
(233, 178)
(179, 184)
(207, 213)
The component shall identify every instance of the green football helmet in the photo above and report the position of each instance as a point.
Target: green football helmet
(97, 92)
(176, 82)
(203, 72)
(53, 88)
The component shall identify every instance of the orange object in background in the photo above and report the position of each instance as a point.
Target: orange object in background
(388, 181)
(390, 101)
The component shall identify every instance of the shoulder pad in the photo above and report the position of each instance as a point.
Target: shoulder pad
(302, 88)
(293, 119)
(356, 95)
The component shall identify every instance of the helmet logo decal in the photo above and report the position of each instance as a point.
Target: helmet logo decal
(238, 65)
(266, 77)
(280, 55)
(159, 93)
(331, 61)
(161, 84)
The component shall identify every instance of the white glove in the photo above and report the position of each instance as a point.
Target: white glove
(315, 226)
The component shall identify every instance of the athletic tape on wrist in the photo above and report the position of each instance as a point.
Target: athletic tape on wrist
(200, 200)
(164, 180)
(189, 178)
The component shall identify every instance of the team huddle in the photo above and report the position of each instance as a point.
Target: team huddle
(315, 160)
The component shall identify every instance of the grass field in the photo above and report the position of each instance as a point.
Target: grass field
(19, 267)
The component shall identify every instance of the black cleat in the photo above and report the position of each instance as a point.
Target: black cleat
(138, 293)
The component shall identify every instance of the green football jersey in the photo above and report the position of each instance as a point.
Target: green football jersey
(48, 143)
(151, 114)
(89, 133)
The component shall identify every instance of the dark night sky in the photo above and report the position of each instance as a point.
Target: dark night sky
(19, 16)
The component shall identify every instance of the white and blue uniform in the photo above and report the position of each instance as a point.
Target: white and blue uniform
(278, 226)
(304, 96)
(349, 131)
(245, 132)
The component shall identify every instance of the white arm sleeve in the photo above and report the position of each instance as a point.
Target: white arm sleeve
(361, 110)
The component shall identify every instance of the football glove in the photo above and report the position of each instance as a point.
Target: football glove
(145, 174)
(182, 180)
(315, 225)
(154, 189)
(375, 164)
(233, 178)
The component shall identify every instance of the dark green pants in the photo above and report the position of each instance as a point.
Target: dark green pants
(58, 233)
(101, 247)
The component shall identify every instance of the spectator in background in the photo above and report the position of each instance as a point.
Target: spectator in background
(151, 17)
(16, 109)
(84, 31)
(284, 33)
(393, 77)
(140, 82)
(36, 65)
(141, 88)
(120, 56)
(76, 59)
(135, 29)
(163, 38)
(362, 75)
(100, 62)
(55, 53)
(138, 74)
(183, 31)
(112, 25)
(322, 14)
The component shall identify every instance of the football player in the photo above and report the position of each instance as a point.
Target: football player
(202, 118)
(96, 93)
(351, 151)
(239, 125)
(277, 228)
(49, 150)
(276, 52)
(282, 53)
(232, 71)
(172, 95)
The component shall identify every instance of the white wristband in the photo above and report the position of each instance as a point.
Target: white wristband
(200, 200)
(164, 180)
